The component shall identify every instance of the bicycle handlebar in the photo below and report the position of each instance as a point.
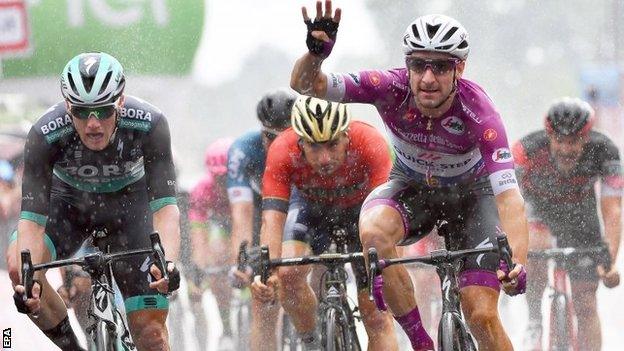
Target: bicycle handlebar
(96, 259)
(327, 259)
(436, 258)
(600, 254)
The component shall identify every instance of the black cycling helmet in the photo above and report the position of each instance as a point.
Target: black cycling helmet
(274, 109)
(569, 116)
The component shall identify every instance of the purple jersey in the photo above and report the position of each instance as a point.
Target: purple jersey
(466, 143)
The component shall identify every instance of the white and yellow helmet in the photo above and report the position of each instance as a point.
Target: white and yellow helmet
(317, 120)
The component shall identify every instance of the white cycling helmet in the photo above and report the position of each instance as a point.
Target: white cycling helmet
(92, 79)
(437, 33)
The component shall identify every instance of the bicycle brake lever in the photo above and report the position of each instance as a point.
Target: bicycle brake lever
(27, 273)
(264, 264)
(504, 250)
(243, 256)
(159, 255)
(375, 284)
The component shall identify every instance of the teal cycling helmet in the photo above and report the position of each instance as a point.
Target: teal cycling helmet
(92, 79)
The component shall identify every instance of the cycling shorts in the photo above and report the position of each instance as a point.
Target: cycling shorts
(128, 222)
(470, 211)
(316, 224)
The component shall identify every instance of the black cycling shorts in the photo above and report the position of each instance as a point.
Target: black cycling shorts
(315, 224)
(128, 221)
(470, 211)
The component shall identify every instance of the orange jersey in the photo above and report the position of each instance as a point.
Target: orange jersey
(367, 165)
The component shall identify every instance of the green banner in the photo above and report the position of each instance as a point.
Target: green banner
(146, 36)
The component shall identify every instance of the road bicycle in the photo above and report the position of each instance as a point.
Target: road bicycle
(563, 335)
(453, 333)
(108, 329)
(337, 313)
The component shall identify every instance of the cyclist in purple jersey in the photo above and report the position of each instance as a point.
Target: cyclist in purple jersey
(453, 163)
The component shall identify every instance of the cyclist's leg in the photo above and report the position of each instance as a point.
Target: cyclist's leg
(62, 237)
(146, 309)
(477, 225)
(426, 279)
(264, 317)
(379, 326)
(584, 283)
(539, 239)
(296, 294)
(219, 255)
(384, 222)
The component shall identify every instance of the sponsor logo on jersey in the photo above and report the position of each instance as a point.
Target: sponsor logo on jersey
(90, 171)
(507, 178)
(502, 155)
(409, 116)
(471, 114)
(336, 80)
(431, 161)
(374, 78)
(355, 77)
(399, 85)
(490, 134)
(454, 125)
(55, 124)
(429, 156)
(136, 114)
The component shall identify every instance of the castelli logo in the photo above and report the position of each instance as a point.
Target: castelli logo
(490, 135)
(374, 78)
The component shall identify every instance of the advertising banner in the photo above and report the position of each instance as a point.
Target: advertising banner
(148, 36)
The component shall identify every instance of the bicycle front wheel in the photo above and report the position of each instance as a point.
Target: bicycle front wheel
(104, 341)
(453, 336)
(334, 337)
(559, 333)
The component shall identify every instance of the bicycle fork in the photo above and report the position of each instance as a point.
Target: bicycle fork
(563, 335)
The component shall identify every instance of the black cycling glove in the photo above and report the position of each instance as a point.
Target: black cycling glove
(19, 301)
(174, 278)
(319, 47)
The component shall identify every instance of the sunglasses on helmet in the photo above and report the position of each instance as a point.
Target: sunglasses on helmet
(438, 67)
(100, 112)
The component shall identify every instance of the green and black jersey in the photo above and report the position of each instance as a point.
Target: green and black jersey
(58, 165)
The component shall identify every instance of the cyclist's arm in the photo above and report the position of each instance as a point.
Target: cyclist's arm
(510, 205)
(240, 195)
(509, 201)
(31, 237)
(199, 205)
(275, 194)
(307, 77)
(272, 230)
(242, 225)
(161, 182)
(611, 191)
(611, 209)
(167, 224)
(37, 180)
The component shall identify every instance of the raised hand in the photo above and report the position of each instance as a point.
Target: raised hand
(323, 30)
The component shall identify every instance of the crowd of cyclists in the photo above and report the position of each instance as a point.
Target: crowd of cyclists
(101, 159)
